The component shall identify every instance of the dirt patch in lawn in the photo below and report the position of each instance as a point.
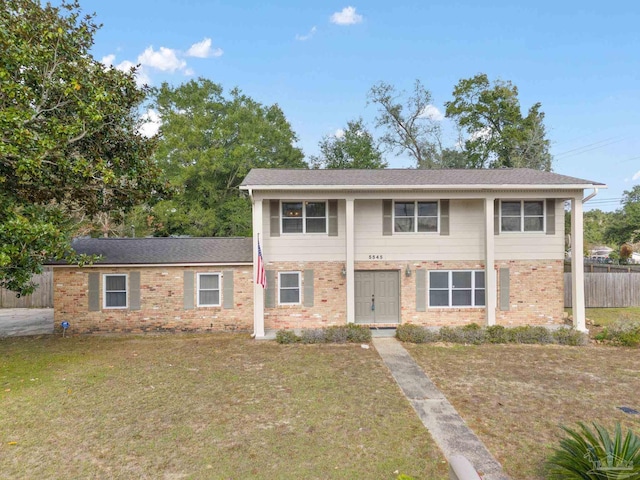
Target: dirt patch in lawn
(212, 406)
(515, 396)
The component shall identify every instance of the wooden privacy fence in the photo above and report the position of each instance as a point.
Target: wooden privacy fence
(41, 298)
(604, 290)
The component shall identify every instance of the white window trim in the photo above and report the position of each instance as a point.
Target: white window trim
(299, 302)
(304, 217)
(450, 289)
(209, 290)
(104, 290)
(415, 217)
(522, 230)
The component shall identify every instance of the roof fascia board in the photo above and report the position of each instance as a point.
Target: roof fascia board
(154, 265)
(474, 187)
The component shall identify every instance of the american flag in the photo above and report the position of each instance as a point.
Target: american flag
(261, 278)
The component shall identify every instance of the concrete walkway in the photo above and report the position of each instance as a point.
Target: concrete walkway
(18, 322)
(447, 428)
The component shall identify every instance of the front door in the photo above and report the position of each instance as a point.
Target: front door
(377, 296)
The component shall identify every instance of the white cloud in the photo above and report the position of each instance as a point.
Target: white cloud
(347, 16)
(339, 133)
(203, 50)
(189, 72)
(165, 59)
(107, 60)
(636, 176)
(306, 37)
(151, 123)
(432, 113)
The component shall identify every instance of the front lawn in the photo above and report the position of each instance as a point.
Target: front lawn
(514, 397)
(209, 406)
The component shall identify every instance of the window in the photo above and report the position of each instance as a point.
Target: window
(522, 216)
(289, 288)
(208, 289)
(304, 217)
(456, 288)
(115, 291)
(415, 217)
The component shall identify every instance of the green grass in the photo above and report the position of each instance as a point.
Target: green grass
(515, 397)
(209, 406)
(604, 316)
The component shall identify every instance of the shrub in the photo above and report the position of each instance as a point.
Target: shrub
(336, 334)
(358, 333)
(495, 334)
(472, 333)
(415, 334)
(570, 336)
(624, 332)
(313, 335)
(286, 336)
(529, 334)
(593, 454)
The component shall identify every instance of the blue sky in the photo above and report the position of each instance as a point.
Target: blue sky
(318, 60)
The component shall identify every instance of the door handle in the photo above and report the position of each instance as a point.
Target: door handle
(373, 302)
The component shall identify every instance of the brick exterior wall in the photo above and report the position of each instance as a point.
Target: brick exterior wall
(330, 298)
(536, 295)
(161, 302)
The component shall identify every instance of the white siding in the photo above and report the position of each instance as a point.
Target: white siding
(303, 247)
(465, 241)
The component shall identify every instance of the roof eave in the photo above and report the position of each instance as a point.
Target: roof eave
(476, 187)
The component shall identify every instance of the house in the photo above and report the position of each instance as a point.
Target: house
(431, 247)
(157, 284)
(373, 247)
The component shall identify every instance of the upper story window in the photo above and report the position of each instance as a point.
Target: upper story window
(304, 217)
(415, 217)
(115, 291)
(208, 289)
(522, 216)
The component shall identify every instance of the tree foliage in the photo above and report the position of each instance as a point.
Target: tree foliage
(208, 143)
(355, 148)
(408, 127)
(68, 131)
(625, 224)
(498, 134)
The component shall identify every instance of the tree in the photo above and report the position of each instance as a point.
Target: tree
(409, 127)
(208, 143)
(69, 141)
(354, 148)
(498, 134)
(625, 224)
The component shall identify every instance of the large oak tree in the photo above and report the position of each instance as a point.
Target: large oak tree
(68, 136)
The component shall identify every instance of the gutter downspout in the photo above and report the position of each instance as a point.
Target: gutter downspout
(589, 197)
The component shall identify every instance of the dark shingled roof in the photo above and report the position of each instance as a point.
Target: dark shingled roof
(267, 177)
(172, 250)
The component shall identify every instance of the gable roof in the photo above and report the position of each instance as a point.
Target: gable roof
(171, 250)
(502, 178)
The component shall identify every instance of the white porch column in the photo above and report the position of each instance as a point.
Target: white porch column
(490, 279)
(258, 291)
(350, 261)
(577, 265)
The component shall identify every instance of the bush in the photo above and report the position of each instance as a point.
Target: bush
(624, 332)
(528, 334)
(286, 336)
(471, 334)
(570, 336)
(415, 334)
(358, 333)
(495, 334)
(336, 334)
(593, 454)
(313, 335)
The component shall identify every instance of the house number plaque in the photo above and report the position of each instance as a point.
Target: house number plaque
(375, 257)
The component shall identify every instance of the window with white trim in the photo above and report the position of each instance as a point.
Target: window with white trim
(409, 217)
(522, 216)
(456, 288)
(304, 217)
(208, 289)
(288, 288)
(115, 290)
